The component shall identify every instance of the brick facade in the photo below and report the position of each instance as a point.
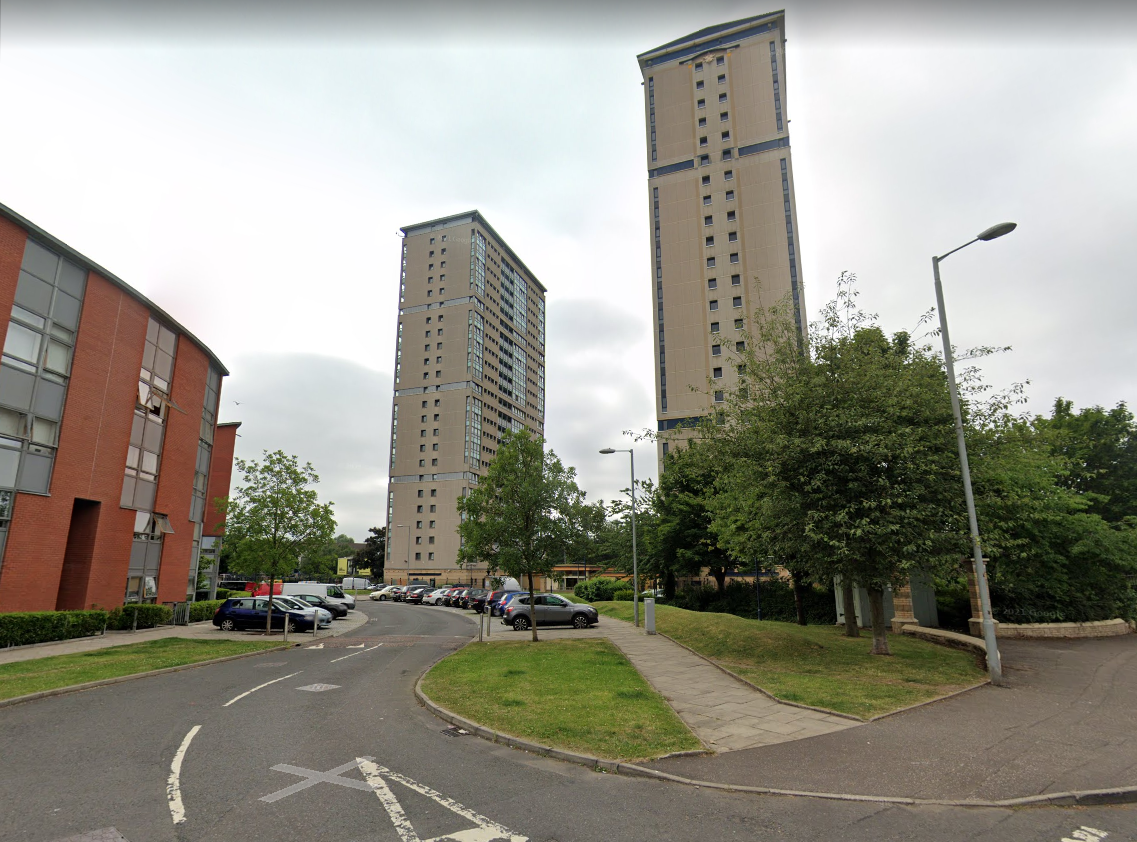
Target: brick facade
(71, 549)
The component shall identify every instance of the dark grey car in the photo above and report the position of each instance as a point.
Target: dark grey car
(552, 610)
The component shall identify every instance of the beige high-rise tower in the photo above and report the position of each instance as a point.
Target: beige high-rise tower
(720, 202)
(469, 365)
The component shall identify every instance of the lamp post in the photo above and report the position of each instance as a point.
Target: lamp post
(635, 564)
(408, 528)
(994, 664)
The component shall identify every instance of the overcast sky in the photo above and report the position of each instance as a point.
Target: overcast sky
(247, 166)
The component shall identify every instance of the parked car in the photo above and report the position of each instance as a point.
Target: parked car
(552, 610)
(291, 603)
(434, 597)
(653, 594)
(495, 599)
(476, 599)
(383, 594)
(336, 609)
(250, 612)
(399, 593)
(414, 595)
(508, 597)
(449, 597)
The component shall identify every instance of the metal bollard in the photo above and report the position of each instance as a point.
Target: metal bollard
(649, 615)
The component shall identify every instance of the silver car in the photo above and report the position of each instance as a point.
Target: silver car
(323, 617)
(552, 610)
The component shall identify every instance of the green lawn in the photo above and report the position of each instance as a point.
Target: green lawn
(57, 671)
(579, 695)
(817, 665)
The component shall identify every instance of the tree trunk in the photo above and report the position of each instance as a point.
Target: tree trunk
(532, 608)
(720, 577)
(799, 598)
(849, 598)
(879, 626)
(669, 584)
(268, 619)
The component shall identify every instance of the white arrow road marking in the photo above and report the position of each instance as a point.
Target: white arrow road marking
(485, 831)
(353, 654)
(258, 687)
(317, 646)
(173, 783)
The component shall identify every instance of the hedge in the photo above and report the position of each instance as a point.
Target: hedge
(777, 602)
(598, 590)
(149, 616)
(624, 595)
(204, 610)
(20, 629)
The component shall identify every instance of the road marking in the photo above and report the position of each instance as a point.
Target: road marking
(258, 687)
(353, 654)
(319, 688)
(360, 646)
(377, 778)
(173, 783)
(317, 646)
(1085, 834)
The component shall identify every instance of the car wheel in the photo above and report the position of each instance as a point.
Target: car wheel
(291, 626)
(580, 621)
(228, 625)
(520, 623)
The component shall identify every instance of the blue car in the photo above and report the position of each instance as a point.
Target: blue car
(250, 612)
(497, 608)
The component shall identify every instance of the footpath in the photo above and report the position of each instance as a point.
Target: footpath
(204, 630)
(1064, 723)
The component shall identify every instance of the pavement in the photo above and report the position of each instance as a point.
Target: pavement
(194, 631)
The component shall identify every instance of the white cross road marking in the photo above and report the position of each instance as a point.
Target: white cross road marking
(319, 688)
(1085, 834)
(353, 654)
(173, 783)
(258, 687)
(377, 776)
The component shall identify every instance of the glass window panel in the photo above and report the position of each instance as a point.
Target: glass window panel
(22, 343)
(127, 498)
(9, 463)
(161, 383)
(39, 261)
(148, 356)
(58, 357)
(33, 294)
(16, 387)
(152, 331)
(144, 494)
(167, 339)
(49, 400)
(13, 423)
(28, 317)
(65, 310)
(44, 431)
(63, 333)
(35, 473)
(138, 425)
(163, 364)
(72, 279)
(152, 436)
(149, 462)
(133, 456)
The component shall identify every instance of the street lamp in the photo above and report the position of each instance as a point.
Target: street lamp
(408, 528)
(994, 664)
(635, 564)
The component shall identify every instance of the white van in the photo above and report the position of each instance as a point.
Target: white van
(332, 593)
(355, 583)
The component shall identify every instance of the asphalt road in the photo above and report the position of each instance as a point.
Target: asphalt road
(336, 748)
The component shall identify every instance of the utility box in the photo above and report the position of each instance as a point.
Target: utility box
(649, 615)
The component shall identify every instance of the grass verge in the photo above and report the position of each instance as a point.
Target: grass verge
(579, 695)
(35, 676)
(817, 665)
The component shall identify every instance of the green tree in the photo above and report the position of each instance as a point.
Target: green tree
(275, 518)
(851, 432)
(373, 555)
(524, 514)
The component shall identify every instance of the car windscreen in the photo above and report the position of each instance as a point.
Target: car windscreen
(336, 592)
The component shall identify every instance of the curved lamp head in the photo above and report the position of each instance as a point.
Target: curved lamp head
(999, 230)
(607, 451)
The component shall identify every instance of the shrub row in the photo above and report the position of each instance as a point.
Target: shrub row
(149, 616)
(777, 602)
(204, 610)
(598, 590)
(624, 595)
(20, 629)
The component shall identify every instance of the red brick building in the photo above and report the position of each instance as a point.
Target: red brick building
(108, 418)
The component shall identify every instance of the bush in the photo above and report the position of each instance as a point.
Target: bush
(624, 595)
(149, 616)
(777, 602)
(598, 590)
(225, 593)
(20, 629)
(204, 610)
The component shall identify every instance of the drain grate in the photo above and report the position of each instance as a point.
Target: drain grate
(455, 731)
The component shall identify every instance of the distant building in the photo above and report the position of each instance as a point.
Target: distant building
(469, 365)
(722, 216)
(108, 417)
